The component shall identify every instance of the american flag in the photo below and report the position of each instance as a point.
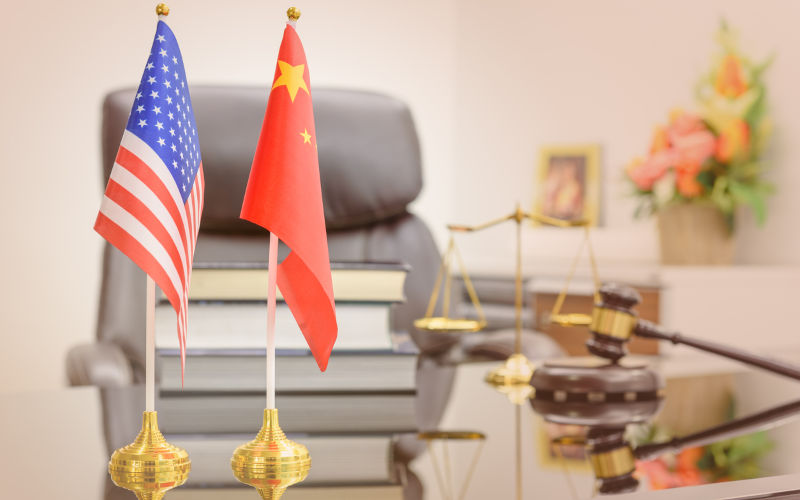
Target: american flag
(154, 199)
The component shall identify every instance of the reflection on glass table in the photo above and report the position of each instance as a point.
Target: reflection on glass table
(57, 444)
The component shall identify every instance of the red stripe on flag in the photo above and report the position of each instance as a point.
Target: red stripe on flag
(143, 214)
(188, 207)
(145, 174)
(131, 247)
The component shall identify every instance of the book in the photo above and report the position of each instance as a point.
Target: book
(243, 370)
(352, 281)
(243, 325)
(329, 412)
(337, 460)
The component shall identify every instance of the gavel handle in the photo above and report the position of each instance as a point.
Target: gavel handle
(652, 331)
(740, 426)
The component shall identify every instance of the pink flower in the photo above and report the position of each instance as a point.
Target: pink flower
(683, 123)
(694, 149)
(657, 473)
(644, 173)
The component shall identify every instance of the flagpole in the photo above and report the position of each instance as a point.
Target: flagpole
(150, 347)
(272, 278)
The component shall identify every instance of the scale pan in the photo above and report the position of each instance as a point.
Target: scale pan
(449, 325)
(574, 319)
(462, 435)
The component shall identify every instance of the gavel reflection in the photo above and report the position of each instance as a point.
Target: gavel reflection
(613, 458)
(614, 322)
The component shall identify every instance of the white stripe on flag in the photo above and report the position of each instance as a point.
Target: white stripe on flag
(141, 234)
(140, 190)
(152, 160)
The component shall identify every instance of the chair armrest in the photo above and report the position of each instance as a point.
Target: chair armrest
(100, 364)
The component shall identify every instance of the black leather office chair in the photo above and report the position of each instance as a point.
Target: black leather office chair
(370, 169)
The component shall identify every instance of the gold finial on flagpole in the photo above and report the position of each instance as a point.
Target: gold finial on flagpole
(271, 462)
(150, 465)
(293, 13)
(162, 9)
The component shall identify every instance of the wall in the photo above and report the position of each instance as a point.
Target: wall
(60, 58)
(536, 73)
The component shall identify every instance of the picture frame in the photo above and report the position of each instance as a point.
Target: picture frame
(565, 456)
(568, 182)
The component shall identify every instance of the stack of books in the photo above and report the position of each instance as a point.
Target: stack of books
(365, 397)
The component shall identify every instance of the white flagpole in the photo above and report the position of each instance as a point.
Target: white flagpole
(150, 347)
(272, 277)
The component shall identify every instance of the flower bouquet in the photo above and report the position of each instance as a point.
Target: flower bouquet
(704, 164)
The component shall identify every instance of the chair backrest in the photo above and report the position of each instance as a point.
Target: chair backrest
(370, 169)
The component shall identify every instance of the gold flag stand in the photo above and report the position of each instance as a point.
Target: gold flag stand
(150, 466)
(271, 463)
(513, 375)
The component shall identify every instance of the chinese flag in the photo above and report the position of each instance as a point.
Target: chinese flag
(284, 196)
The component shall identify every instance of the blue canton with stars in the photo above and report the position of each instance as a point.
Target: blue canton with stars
(162, 112)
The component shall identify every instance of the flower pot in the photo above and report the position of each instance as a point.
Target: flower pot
(694, 234)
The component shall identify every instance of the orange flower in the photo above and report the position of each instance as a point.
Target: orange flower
(730, 78)
(660, 140)
(734, 141)
(688, 458)
(686, 467)
(688, 186)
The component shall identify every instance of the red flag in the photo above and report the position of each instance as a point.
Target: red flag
(284, 196)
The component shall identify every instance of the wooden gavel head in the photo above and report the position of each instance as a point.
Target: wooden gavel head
(613, 321)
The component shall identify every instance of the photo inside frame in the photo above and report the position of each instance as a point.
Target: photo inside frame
(564, 187)
(567, 183)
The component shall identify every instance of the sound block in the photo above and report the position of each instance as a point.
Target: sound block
(596, 392)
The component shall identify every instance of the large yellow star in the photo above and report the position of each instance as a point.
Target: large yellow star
(292, 77)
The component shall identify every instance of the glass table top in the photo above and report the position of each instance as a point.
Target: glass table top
(56, 444)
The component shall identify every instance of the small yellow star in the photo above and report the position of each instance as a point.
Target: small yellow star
(306, 136)
(292, 78)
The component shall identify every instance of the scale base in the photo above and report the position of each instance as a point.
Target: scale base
(512, 378)
(149, 466)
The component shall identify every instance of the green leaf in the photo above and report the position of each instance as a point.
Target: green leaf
(752, 196)
(720, 195)
(706, 178)
(706, 462)
(749, 447)
(748, 171)
(757, 110)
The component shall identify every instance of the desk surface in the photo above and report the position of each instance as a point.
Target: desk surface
(55, 447)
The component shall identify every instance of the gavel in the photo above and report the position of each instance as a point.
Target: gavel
(606, 393)
(614, 322)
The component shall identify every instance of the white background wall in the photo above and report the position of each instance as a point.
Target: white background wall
(487, 85)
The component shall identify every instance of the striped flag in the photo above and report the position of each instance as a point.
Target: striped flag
(154, 199)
